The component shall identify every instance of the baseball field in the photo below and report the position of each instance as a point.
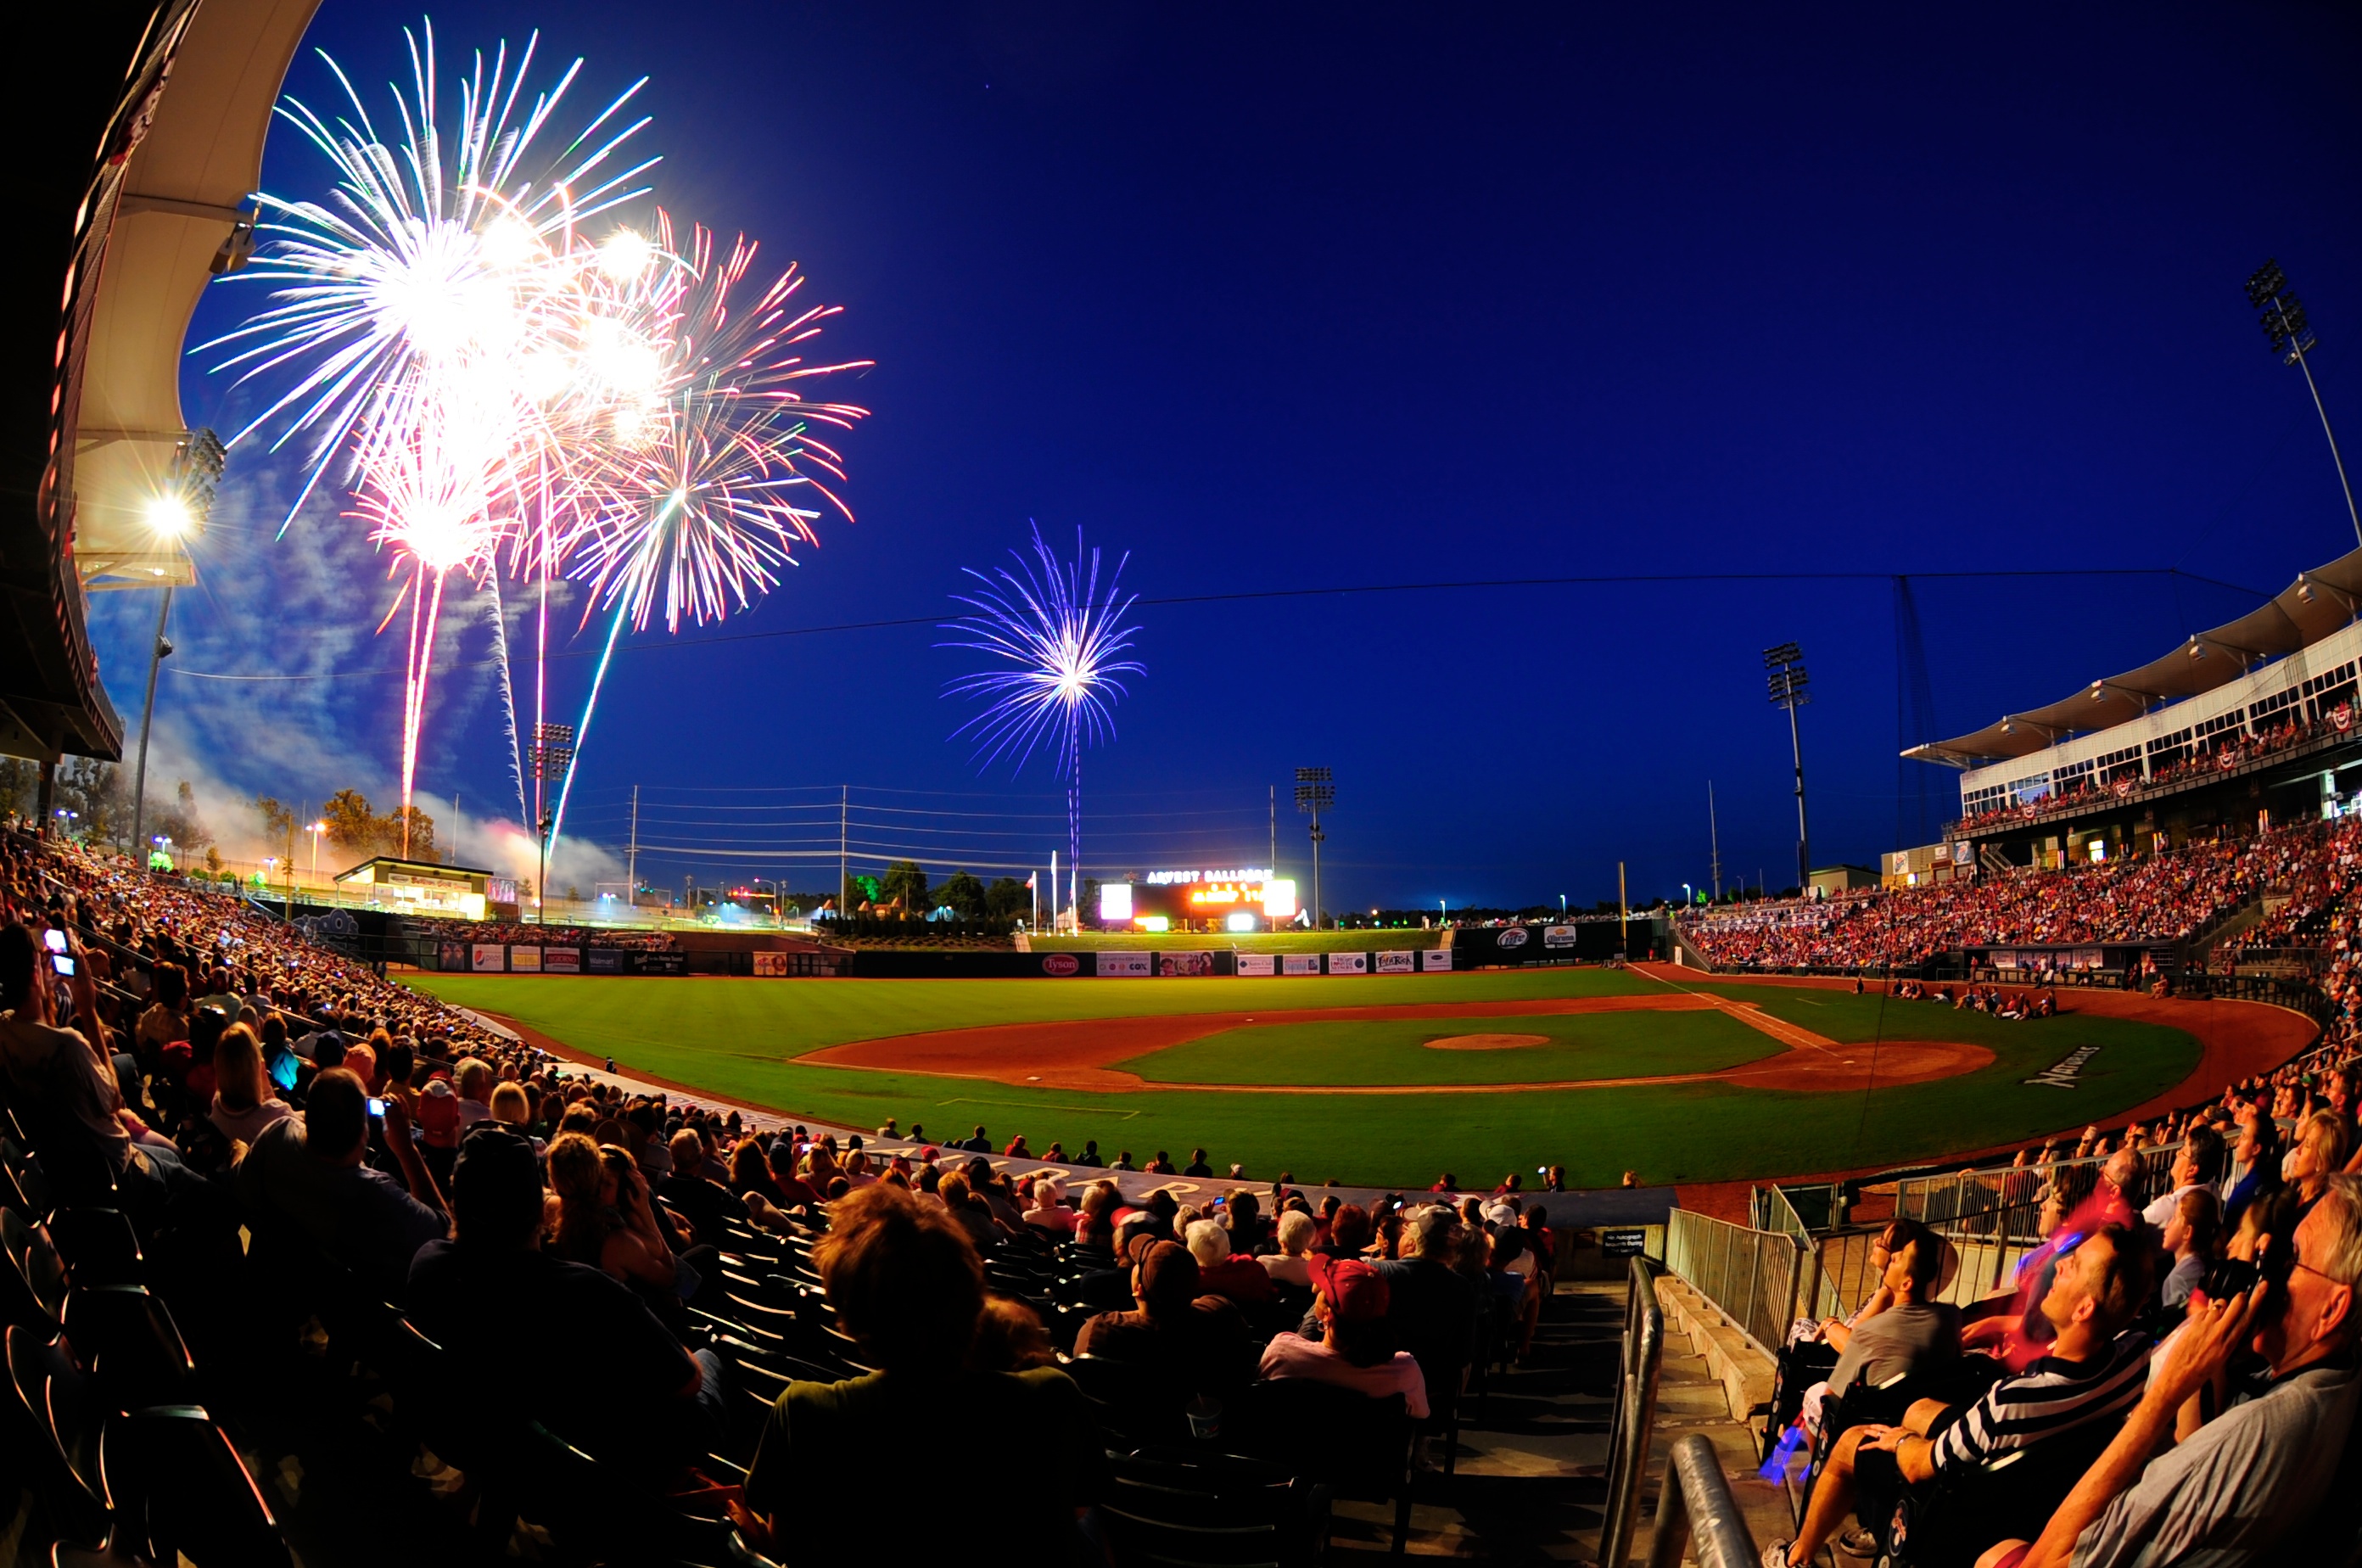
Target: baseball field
(1388, 1080)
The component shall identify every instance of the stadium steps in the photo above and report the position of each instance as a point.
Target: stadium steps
(1531, 1477)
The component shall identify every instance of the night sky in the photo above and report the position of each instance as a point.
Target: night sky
(1294, 296)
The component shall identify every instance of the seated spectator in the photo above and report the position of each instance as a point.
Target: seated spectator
(1198, 1342)
(1349, 1232)
(2190, 1240)
(1095, 1225)
(906, 1283)
(1288, 1264)
(652, 1401)
(1223, 1273)
(1047, 1210)
(1198, 1166)
(793, 1191)
(707, 1206)
(2094, 1372)
(243, 1104)
(2198, 1166)
(2324, 1141)
(1249, 1232)
(308, 1173)
(603, 1220)
(1161, 1165)
(1430, 1308)
(2252, 1484)
(1356, 1347)
(968, 1211)
(1017, 1149)
(1912, 1335)
(166, 1019)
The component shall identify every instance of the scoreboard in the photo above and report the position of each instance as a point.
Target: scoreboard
(1245, 897)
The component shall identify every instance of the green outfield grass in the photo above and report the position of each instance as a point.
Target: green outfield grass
(1582, 1045)
(741, 1038)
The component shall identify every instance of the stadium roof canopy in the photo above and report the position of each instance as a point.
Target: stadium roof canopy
(2317, 603)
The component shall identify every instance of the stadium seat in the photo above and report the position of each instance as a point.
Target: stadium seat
(1175, 1510)
(1357, 1446)
(99, 1246)
(1950, 1522)
(49, 1437)
(1134, 1405)
(182, 1491)
(124, 1336)
(33, 1285)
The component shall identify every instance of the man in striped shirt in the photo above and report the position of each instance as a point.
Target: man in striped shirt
(2096, 1372)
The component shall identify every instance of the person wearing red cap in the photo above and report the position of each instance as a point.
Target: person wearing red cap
(1356, 1347)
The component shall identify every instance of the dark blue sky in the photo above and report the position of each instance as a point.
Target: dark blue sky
(1279, 297)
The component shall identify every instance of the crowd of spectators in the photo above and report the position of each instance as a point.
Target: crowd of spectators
(522, 933)
(2169, 1378)
(2209, 759)
(219, 1077)
(2161, 896)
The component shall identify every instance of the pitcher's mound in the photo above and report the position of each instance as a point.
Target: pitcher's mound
(1486, 1042)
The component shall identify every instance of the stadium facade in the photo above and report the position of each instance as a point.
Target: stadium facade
(2251, 722)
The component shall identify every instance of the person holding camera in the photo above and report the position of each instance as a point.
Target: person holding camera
(2247, 1485)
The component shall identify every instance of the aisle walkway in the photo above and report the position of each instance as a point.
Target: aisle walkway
(1533, 1456)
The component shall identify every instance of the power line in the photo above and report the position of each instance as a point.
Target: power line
(1608, 579)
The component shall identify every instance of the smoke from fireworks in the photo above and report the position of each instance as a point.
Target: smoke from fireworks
(1056, 680)
(493, 382)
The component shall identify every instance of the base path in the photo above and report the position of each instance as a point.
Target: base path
(1078, 1054)
(2237, 1040)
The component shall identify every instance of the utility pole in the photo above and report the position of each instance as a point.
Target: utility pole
(1624, 904)
(2283, 322)
(455, 827)
(632, 855)
(156, 655)
(1274, 830)
(1787, 680)
(1315, 790)
(844, 872)
(1714, 837)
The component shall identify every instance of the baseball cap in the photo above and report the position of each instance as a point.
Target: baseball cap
(1357, 1293)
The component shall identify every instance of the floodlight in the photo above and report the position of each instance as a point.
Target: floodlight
(2281, 316)
(1783, 654)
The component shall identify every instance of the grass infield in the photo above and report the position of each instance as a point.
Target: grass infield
(741, 1038)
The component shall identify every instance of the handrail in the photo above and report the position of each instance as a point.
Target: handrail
(1696, 1504)
(1751, 1276)
(1633, 1422)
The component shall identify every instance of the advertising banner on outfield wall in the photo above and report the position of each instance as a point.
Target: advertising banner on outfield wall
(1139, 965)
(603, 961)
(562, 960)
(455, 958)
(1399, 961)
(1558, 936)
(1349, 963)
(490, 958)
(525, 960)
(1299, 963)
(1258, 964)
(1434, 958)
(1184, 962)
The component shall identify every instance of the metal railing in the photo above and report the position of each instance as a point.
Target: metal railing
(1753, 1278)
(1632, 1424)
(1695, 1506)
(1995, 1216)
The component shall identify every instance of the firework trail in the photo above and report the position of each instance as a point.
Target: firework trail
(428, 315)
(695, 500)
(1055, 638)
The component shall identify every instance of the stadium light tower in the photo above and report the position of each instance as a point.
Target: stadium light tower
(2283, 322)
(1787, 681)
(175, 515)
(553, 754)
(1316, 791)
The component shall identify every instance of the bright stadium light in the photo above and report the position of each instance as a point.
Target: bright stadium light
(2281, 316)
(1787, 680)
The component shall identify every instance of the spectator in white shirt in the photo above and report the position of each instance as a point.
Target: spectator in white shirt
(1288, 1266)
(475, 1092)
(2198, 1167)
